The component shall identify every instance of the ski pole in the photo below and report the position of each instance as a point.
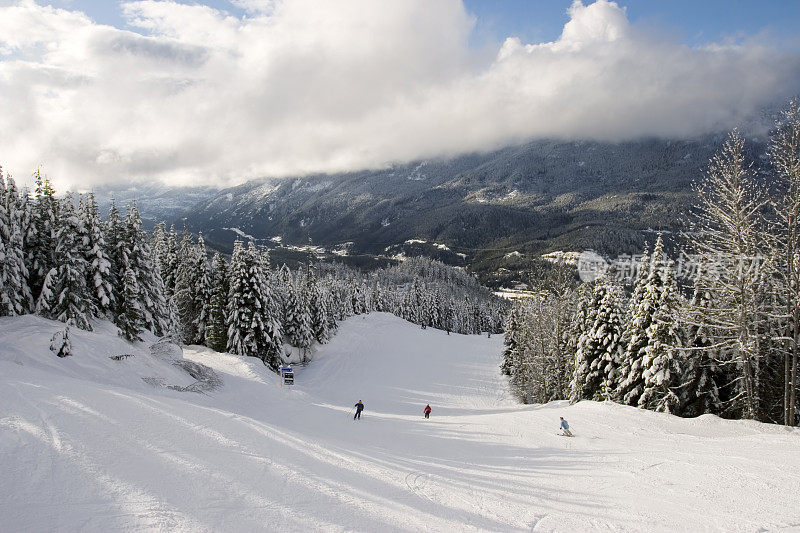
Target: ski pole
(350, 412)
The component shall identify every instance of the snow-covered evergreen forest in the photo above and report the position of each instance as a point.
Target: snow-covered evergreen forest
(60, 260)
(722, 340)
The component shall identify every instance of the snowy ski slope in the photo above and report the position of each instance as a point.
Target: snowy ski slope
(86, 444)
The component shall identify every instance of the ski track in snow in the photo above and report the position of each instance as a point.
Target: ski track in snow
(86, 444)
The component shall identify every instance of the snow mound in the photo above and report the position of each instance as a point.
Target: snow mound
(100, 356)
(86, 444)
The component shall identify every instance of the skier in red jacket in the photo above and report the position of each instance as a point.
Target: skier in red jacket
(427, 411)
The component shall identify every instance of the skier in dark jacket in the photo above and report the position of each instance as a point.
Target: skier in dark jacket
(427, 411)
(359, 407)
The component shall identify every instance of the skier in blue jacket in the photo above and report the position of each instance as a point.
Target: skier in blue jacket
(565, 428)
(359, 407)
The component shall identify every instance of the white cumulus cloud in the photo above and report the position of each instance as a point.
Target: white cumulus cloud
(196, 95)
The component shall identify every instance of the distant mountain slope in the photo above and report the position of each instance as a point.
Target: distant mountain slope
(154, 201)
(542, 196)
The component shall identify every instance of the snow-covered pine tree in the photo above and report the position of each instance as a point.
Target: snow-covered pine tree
(283, 283)
(304, 334)
(729, 235)
(414, 306)
(202, 292)
(613, 317)
(471, 325)
(405, 309)
(216, 331)
(345, 298)
(641, 309)
(65, 296)
(169, 261)
(165, 258)
(254, 327)
(330, 311)
(512, 340)
(477, 318)
(40, 238)
(549, 325)
(184, 293)
(316, 308)
(20, 217)
(561, 357)
(583, 320)
(292, 310)
(141, 260)
(436, 309)
(359, 299)
(563, 307)
(526, 368)
(60, 343)
(47, 295)
(117, 253)
(15, 296)
(701, 375)
(99, 277)
(130, 318)
(424, 304)
(599, 348)
(272, 348)
(784, 153)
(366, 290)
(8, 281)
(449, 319)
(240, 307)
(379, 297)
(661, 365)
(159, 308)
(465, 317)
(158, 243)
(534, 371)
(334, 302)
(461, 321)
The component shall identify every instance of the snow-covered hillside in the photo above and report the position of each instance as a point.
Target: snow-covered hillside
(93, 444)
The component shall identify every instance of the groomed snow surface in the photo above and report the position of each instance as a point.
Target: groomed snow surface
(86, 444)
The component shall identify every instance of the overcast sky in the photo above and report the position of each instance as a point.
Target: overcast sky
(221, 92)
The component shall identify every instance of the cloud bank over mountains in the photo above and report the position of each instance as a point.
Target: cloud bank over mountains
(196, 95)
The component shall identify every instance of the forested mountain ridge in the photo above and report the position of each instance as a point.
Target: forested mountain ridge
(156, 201)
(60, 261)
(535, 198)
